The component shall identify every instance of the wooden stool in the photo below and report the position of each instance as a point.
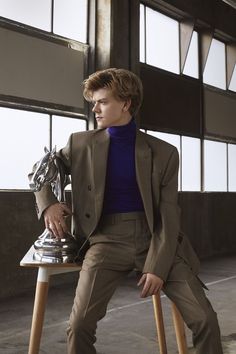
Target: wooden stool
(178, 325)
(45, 270)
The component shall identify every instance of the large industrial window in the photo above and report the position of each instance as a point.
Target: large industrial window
(23, 136)
(191, 67)
(70, 19)
(215, 166)
(232, 167)
(67, 18)
(62, 127)
(161, 50)
(43, 61)
(219, 161)
(171, 139)
(215, 73)
(232, 85)
(206, 164)
(29, 12)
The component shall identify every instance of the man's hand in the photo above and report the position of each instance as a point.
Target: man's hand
(54, 218)
(151, 284)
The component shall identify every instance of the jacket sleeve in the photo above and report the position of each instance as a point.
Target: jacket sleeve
(164, 240)
(45, 197)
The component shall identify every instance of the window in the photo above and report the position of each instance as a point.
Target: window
(171, 139)
(142, 34)
(191, 164)
(232, 167)
(69, 16)
(23, 136)
(215, 73)
(162, 41)
(191, 64)
(70, 19)
(31, 12)
(62, 127)
(232, 85)
(215, 166)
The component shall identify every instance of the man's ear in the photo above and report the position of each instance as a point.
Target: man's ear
(127, 105)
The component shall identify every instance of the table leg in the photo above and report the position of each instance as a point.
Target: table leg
(159, 323)
(39, 309)
(179, 330)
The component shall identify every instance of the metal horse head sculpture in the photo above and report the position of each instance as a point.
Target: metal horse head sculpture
(49, 248)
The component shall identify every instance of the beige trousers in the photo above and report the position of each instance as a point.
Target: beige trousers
(119, 246)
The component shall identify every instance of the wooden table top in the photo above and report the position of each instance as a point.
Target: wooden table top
(28, 261)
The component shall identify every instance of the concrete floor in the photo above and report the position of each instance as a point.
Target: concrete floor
(129, 325)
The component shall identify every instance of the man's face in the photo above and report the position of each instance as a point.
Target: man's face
(108, 110)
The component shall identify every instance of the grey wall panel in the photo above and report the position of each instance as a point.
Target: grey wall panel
(209, 221)
(37, 69)
(171, 103)
(220, 114)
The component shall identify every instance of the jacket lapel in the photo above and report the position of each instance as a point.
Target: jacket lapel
(100, 154)
(143, 161)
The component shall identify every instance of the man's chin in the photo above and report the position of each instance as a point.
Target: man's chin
(101, 125)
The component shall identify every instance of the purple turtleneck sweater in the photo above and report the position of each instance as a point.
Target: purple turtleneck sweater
(121, 191)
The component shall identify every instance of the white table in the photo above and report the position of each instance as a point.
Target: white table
(45, 270)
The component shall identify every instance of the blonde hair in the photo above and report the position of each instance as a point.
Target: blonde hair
(124, 85)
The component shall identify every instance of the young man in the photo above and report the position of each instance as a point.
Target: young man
(124, 192)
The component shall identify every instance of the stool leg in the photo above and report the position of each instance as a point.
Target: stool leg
(179, 330)
(39, 310)
(159, 323)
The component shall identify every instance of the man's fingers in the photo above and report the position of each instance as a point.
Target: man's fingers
(66, 209)
(55, 216)
(146, 290)
(152, 284)
(57, 229)
(142, 279)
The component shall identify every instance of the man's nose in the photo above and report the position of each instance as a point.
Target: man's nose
(95, 108)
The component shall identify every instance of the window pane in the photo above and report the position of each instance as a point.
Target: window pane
(70, 19)
(141, 35)
(31, 12)
(191, 64)
(215, 166)
(232, 167)
(191, 165)
(169, 138)
(162, 41)
(62, 127)
(172, 139)
(215, 70)
(23, 136)
(232, 85)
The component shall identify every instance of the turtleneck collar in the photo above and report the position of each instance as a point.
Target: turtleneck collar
(123, 131)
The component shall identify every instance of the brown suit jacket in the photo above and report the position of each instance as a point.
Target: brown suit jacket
(157, 162)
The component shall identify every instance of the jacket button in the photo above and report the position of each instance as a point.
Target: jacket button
(87, 215)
